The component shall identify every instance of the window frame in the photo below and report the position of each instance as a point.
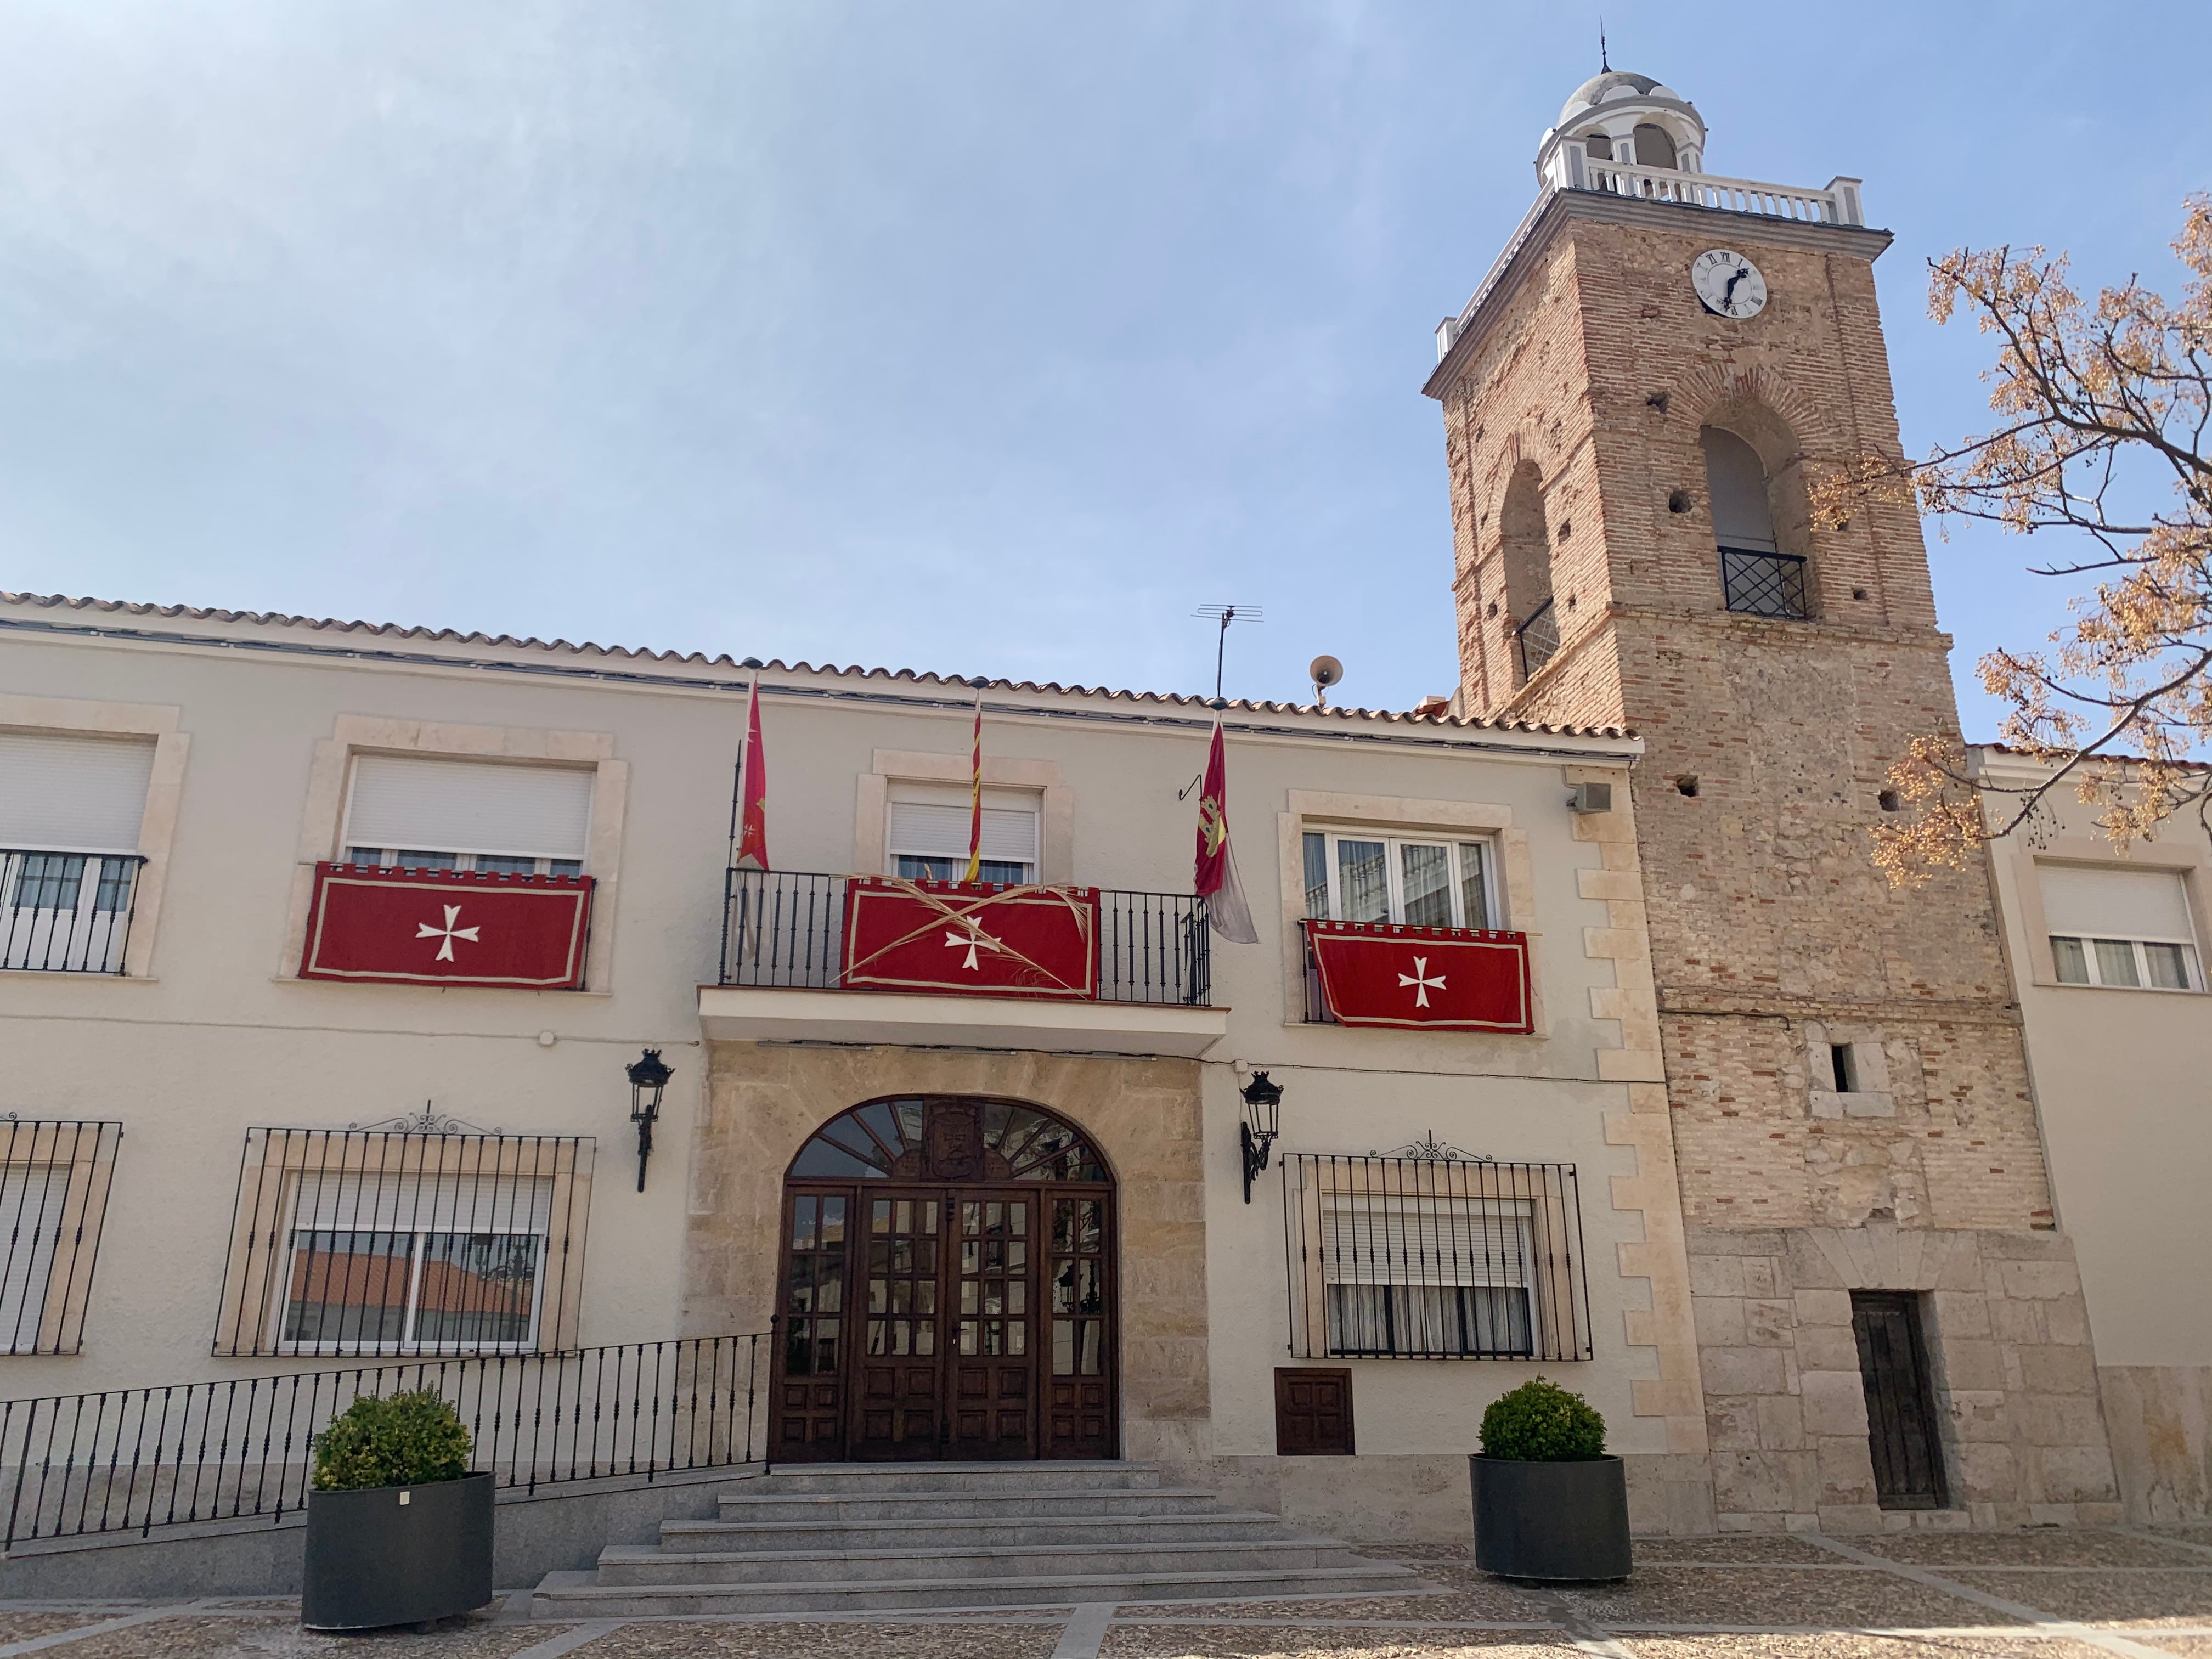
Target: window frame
(408, 1341)
(2191, 963)
(1456, 842)
(78, 1157)
(1025, 871)
(387, 858)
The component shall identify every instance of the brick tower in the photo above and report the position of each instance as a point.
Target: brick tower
(1635, 401)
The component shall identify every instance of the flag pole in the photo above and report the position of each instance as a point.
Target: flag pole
(975, 791)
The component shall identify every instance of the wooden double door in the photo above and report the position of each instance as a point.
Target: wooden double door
(946, 1321)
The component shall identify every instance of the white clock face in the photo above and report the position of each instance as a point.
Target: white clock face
(1729, 284)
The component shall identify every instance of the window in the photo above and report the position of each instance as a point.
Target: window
(1655, 147)
(2120, 928)
(435, 814)
(372, 1242)
(70, 811)
(1843, 1067)
(1444, 1258)
(1357, 876)
(928, 833)
(1757, 578)
(54, 1179)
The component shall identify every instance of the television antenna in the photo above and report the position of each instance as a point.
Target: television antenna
(1226, 614)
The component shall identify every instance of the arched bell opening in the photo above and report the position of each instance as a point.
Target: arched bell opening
(947, 1286)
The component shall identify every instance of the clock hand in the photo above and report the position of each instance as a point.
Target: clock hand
(1728, 294)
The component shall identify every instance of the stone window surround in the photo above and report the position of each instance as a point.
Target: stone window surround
(157, 823)
(2193, 864)
(1401, 814)
(871, 808)
(323, 816)
(1871, 1058)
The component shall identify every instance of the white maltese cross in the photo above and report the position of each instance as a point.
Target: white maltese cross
(974, 939)
(1420, 980)
(448, 933)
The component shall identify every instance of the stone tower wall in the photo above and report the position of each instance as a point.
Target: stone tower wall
(1768, 745)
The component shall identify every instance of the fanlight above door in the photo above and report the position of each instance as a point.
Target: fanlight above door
(947, 1138)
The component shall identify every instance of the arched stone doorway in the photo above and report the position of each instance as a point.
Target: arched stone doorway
(947, 1286)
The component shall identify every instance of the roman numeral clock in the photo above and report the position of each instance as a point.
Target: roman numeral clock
(1728, 284)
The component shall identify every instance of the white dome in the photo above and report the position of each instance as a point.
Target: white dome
(1612, 84)
(1632, 118)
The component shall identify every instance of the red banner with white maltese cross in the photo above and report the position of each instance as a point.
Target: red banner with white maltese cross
(971, 939)
(448, 927)
(1452, 979)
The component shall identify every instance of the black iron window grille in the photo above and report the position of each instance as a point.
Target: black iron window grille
(1436, 1254)
(67, 912)
(132, 1459)
(1764, 584)
(54, 1180)
(1537, 640)
(787, 928)
(388, 1242)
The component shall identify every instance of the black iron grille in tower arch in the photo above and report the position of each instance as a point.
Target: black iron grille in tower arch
(54, 1179)
(412, 1241)
(1435, 1255)
(1764, 584)
(1537, 640)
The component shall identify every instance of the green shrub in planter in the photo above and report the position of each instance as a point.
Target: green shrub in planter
(1540, 1422)
(1549, 1504)
(399, 1531)
(405, 1440)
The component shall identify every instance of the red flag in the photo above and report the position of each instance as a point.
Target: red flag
(1215, 879)
(752, 792)
(975, 797)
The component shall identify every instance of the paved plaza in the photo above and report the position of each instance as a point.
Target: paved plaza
(2071, 1594)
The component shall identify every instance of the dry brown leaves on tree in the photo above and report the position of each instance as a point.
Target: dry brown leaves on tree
(2101, 406)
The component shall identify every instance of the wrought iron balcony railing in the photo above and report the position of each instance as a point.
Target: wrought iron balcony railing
(1537, 640)
(66, 913)
(785, 929)
(1764, 584)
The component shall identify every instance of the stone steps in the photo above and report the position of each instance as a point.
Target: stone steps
(976, 1532)
(854, 1537)
(579, 1595)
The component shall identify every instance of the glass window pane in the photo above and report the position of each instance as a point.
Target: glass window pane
(1426, 872)
(368, 855)
(114, 890)
(2072, 961)
(502, 864)
(477, 1288)
(2116, 962)
(1363, 881)
(417, 861)
(1473, 891)
(48, 881)
(348, 1287)
(2169, 966)
(1317, 875)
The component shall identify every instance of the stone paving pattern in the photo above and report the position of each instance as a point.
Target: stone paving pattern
(2088, 1594)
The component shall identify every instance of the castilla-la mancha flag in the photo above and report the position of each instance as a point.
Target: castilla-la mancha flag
(1215, 879)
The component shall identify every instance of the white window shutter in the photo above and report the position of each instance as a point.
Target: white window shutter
(435, 806)
(400, 1203)
(1474, 1242)
(2100, 901)
(932, 821)
(72, 794)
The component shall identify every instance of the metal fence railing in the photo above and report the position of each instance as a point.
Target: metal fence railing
(66, 913)
(133, 1459)
(787, 928)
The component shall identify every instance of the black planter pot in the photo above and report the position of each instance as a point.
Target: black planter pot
(1559, 1520)
(396, 1555)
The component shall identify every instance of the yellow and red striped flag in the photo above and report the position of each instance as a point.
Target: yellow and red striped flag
(975, 796)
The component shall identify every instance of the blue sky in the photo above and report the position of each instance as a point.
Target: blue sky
(975, 338)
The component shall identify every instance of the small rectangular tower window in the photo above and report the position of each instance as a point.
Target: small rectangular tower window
(1843, 1068)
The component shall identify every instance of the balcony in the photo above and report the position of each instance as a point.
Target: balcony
(784, 973)
(66, 913)
(1759, 583)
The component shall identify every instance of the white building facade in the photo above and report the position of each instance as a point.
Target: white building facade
(1009, 1222)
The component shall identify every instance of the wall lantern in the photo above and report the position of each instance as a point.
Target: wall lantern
(648, 1076)
(1263, 1113)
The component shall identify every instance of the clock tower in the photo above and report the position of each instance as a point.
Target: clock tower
(1637, 403)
